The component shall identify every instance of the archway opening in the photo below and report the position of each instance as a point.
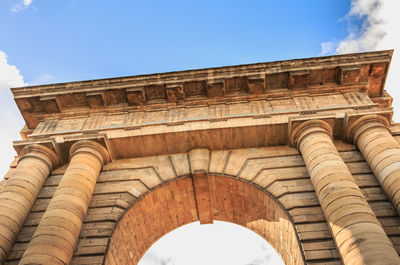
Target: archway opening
(213, 244)
(176, 204)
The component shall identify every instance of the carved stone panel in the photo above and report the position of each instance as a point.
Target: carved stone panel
(241, 109)
(282, 105)
(358, 99)
(261, 109)
(176, 116)
(113, 121)
(45, 127)
(304, 103)
(330, 101)
(156, 117)
(276, 81)
(197, 113)
(135, 119)
(218, 112)
(69, 125)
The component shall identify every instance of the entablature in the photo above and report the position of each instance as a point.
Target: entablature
(263, 81)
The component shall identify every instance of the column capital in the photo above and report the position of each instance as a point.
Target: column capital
(48, 156)
(304, 128)
(356, 125)
(90, 147)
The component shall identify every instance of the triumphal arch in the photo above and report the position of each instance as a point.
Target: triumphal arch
(303, 152)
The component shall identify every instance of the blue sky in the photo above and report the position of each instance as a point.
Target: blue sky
(47, 41)
(75, 40)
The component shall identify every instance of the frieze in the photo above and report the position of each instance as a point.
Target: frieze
(175, 116)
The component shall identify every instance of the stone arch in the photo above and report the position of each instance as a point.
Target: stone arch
(174, 204)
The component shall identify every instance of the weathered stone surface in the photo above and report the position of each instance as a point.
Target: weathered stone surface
(206, 145)
(175, 204)
(354, 227)
(59, 228)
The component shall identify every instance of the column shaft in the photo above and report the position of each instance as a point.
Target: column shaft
(21, 191)
(56, 236)
(356, 230)
(372, 136)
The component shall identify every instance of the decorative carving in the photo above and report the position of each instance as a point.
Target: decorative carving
(349, 75)
(176, 116)
(261, 109)
(218, 112)
(276, 81)
(175, 93)
(45, 127)
(215, 88)
(241, 109)
(179, 115)
(197, 113)
(135, 96)
(299, 79)
(156, 117)
(95, 100)
(134, 120)
(72, 125)
(283, 105)
(304, 103)
(330, 101)
(235, 85)
(195, 89)
(155, 93)
(255, 84)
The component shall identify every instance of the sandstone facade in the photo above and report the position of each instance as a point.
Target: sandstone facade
(303, 152)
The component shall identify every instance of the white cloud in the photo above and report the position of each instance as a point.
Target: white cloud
(27, 2)
(378, 31)
(372, 30)
(10, 118)
(16, 8)
(10, 76)
(364, 37)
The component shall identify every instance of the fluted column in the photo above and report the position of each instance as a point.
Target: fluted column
(355, 229)
(20, 192)
(56, 236)
(371, 134)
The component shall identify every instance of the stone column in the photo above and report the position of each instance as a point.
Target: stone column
(355, 229)
(372, 135)
(56, 236)
(20, 192)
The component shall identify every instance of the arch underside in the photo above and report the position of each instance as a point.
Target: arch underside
(175, 204)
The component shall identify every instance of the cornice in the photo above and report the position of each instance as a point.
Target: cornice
(212, 74)
(330, 74)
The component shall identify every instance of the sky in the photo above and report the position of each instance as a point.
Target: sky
(46, 41)
(187, 245)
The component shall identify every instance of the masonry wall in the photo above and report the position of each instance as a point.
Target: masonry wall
(279, 170)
